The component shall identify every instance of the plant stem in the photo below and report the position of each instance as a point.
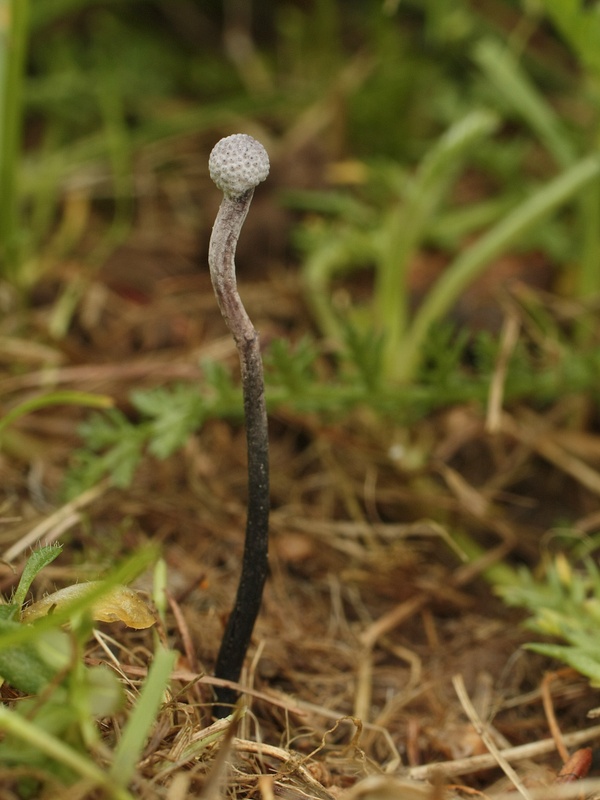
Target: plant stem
(238, 632)
(13, 48)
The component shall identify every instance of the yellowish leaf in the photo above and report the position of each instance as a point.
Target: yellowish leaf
(120, 604)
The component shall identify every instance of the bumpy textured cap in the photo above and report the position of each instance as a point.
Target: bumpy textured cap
(238, 163)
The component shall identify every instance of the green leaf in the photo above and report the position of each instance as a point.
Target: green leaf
(30, 666)
(291, 366)
(113, 446)
(470, 263)
(507, 76)
(9, 611)
(365, 351)
(176, 414)
(35, 563)
(51, 399)
(104, 430)
(17, 634)
(54, 647)
(579, 26)
(104, 691)
(576, 658)
(218, 379)
(54, 718)
(17, 727)
(142, 717)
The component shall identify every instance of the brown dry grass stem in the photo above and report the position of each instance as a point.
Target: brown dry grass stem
(56, 524)
(478, 763)
(486, 737)
(509, 337)
(96, 376)
(534, 432)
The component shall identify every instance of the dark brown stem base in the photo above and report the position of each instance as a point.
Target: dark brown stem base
(238, 632)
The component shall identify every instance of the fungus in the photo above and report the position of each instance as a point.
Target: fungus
(237, 164)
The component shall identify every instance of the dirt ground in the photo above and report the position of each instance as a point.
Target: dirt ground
(372, 623)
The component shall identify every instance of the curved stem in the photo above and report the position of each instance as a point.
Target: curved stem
(221, 259)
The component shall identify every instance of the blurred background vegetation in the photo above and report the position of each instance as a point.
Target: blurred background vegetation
(434, 176)
(89, 88)
(417, 148)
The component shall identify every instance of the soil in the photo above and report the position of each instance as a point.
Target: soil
(371, 621)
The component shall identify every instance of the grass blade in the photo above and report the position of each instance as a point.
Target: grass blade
(14, 32)
(504, 72)
(143, 716)
(67, 398)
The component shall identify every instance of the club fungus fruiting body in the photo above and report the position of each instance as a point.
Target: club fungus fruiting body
(237, 164)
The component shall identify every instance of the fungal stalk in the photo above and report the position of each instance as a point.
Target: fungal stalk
(237, 164)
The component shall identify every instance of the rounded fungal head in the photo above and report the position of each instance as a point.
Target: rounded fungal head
(238, 163)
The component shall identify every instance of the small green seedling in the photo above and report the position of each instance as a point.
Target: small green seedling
(237, 164)
(52, 731)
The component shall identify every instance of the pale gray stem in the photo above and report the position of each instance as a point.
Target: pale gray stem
(221, 260)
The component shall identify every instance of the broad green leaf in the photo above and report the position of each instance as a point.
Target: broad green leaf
(30, 666)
